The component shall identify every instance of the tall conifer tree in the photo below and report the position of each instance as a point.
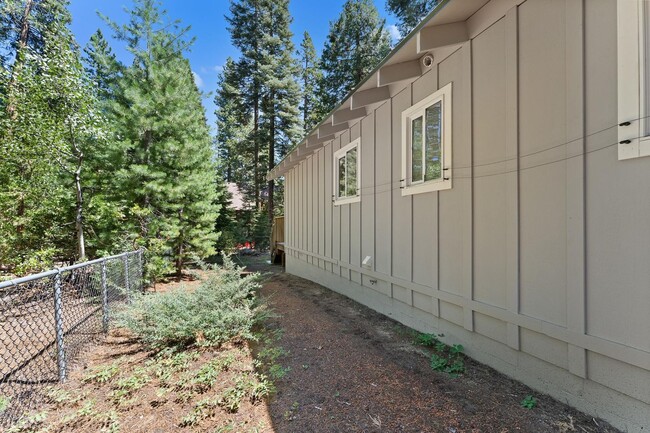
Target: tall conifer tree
(281, 90)
(163, 143)
(356, 43)
(409, 12)
(47, 123)
(268, 76)
(233, 128)
(310, 76)
(246, 32)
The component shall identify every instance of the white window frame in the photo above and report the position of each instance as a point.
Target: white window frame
(335, 164)
(443, 95)
(633, 78)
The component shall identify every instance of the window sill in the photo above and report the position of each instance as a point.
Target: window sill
(426, 187)
(347, 200)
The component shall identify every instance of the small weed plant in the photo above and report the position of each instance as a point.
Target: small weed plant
(4, 403)
(206, 376)
(426, 340)
(445, 358)
(102, 374)
(529, 402)
(268, 356)
(291, 413)
(223, 307)
(125, 387)
(29, 423)
(448, 359)
(60, 397)
(251, 386)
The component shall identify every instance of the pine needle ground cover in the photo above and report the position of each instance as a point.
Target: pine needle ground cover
(322, 363)
(182, 361)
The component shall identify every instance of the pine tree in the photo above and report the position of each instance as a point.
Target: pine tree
(194, 199)
(163, 144)
(409, 12)
(246, 32)
(267, 76)
(102, 66)
(49, 121)
(233, 127)
(310, 76)
(107, 208)
(356, 43)
(23, 24)
(73, 103)
(281, 91)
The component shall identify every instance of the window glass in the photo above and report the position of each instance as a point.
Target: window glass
(426, 144)
(341, 177)
(433, 139)
(351, 175)
(416, 150)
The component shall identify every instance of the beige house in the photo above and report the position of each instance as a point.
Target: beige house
(490, 181)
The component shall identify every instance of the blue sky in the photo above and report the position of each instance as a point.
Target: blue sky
(212, 46)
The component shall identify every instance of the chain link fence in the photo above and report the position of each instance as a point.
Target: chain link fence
(45, 320)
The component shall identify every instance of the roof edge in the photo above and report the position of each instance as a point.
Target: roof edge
(397, 47)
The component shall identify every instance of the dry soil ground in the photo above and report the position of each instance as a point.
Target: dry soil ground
(354, 370)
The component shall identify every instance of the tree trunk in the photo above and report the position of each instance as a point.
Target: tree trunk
(179, 261)
(22, 44)
(79, 224)
(146, 200)
(305, 108)
(229, 168)
(256, 115)
(359, 70)
(179, 256)
(271, 154)
(256, 157)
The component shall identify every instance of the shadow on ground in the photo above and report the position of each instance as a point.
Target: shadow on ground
(354, 370)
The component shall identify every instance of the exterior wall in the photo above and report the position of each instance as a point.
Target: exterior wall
(537, 258)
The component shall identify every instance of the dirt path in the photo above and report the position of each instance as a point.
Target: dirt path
(354, 370)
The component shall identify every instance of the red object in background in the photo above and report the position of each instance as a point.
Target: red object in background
(246, 246)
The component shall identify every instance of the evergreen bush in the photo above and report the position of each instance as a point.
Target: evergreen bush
(222, 308)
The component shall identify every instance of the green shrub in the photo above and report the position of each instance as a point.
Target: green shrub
(262, 231)
(220, 309)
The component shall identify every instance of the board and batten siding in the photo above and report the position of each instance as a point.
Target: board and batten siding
(538, 259)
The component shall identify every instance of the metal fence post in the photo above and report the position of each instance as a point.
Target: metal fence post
(126, 277)
(104, 298)
(58, 323)
(141, 271)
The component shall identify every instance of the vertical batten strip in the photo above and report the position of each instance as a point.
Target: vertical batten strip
(575, 172)
(321, 205)
(314, 206)
(436, 259)
(328, 205)
(512, 172)
(468, 229)
(288, 191)
(374, 191)
(391, 202)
